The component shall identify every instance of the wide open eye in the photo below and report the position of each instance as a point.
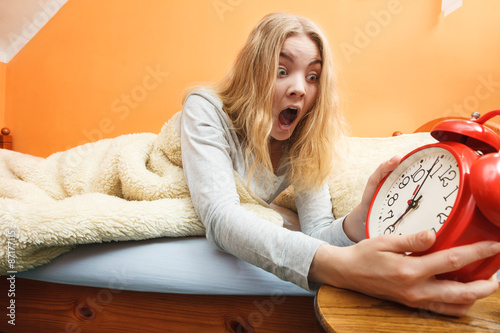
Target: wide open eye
(282, 72)
(313, 77)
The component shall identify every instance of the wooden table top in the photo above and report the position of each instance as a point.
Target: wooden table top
(340, 310)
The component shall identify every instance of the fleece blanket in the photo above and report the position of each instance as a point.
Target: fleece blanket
(127, 188)
(132, 187)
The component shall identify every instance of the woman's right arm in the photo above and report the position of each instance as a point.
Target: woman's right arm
(207, 147)
(380, 267)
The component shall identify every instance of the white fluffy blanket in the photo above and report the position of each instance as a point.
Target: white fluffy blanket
(132, 187)
(128, 188)
(361, 156)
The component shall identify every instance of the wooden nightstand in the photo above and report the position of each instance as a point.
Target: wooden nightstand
(340, 310)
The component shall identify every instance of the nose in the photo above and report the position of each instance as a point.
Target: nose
(297, 86)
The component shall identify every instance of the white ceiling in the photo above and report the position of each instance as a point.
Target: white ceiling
(20, 20)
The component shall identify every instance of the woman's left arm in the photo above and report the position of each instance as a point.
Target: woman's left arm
(314, 209)
(316, 216)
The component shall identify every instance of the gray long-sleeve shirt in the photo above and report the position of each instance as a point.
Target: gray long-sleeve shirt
(211, 150)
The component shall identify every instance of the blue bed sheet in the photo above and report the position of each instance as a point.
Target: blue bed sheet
(167, 265)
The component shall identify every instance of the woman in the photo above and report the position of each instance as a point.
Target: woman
(274, 121)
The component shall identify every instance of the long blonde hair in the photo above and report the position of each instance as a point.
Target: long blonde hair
(247, 93)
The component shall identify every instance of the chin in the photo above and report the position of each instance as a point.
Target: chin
(282, 135)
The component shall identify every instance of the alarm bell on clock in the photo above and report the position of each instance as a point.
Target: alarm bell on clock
(451, 187)
(485, 171)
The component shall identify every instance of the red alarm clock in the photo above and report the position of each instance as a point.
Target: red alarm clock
(451, 187)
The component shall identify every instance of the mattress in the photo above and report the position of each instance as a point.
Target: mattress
(167, 265)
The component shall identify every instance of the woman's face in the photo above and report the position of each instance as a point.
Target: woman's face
(296, 85)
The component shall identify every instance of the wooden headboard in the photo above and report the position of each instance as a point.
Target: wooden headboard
(6, 139)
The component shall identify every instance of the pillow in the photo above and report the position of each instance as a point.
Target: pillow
(361, 157)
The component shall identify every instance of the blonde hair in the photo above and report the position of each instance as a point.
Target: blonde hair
(247, 93)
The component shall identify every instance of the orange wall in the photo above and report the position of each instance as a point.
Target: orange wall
(3, 67)
(104, 68)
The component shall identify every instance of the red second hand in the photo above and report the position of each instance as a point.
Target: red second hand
(413, 195)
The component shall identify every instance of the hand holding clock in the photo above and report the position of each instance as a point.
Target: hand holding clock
(384, 270)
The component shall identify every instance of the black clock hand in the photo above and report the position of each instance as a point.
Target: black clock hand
(411, 205)
(426, 176)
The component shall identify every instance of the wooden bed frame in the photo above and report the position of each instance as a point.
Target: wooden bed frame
(51, 307)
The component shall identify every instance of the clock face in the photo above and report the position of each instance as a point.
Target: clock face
(418, 195)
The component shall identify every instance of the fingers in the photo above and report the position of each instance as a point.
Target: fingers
(455, 258)
(472, 291)
(411, 280)
(454, 292)
(441, 261)
(390, 274)
(454, 298)
(376, 177)
(384, 169)
(418, 242)
(388, 166)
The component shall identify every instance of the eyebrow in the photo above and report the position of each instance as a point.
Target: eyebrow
(290, 58)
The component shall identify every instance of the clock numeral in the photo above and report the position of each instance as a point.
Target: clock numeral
(404, 182)
(434, 173)
(443, 216)
(449, 195)
(418, 175)
(447, 176)
(392, 199)
(390, 215)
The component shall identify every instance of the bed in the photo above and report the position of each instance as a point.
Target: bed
(128, 287)
(5, 138)
(178, 284)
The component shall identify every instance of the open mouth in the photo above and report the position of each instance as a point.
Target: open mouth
(287, 116)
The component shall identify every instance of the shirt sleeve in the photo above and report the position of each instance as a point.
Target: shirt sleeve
(206, 155)
(316, 218)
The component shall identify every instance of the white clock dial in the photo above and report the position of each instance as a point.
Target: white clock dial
(418, 195)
